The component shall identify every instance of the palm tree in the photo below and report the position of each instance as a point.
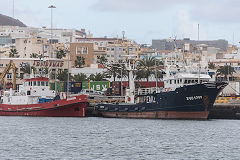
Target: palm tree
(146, 67)
(97, 77)
(80, 77)
(34, 55)
(211, 66)
(63, 76)
(61, 53)
(225, 71)
(115, 70)
(101, 60)
(26, 69)
(80, 61)
(13, 53)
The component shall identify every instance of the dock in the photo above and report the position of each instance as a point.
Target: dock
(225, 111)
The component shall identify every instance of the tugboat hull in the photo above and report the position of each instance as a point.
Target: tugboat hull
(70, 107)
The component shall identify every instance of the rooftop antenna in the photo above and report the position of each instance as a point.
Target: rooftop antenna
(198, 32)
(123, 34)
(233, 38)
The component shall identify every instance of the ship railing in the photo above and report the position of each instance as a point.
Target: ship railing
(145, 91)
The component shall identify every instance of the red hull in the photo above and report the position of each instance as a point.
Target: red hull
(203, 115)
(70, 107)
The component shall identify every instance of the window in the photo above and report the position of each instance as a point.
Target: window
(170, 81)
(46, 83)
(42, 83)
(34, 83)
(9, 76)
(38, 83)
(21, 75)
(81, 50)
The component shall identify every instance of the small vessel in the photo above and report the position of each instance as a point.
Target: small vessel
(34, 98)
(186, 95)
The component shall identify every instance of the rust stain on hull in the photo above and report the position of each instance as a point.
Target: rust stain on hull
(203, 115)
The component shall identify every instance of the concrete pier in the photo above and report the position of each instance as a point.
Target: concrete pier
(225, 111)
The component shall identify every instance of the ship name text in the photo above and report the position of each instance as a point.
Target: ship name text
(193, 98)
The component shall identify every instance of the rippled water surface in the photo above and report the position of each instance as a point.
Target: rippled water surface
(102, 138)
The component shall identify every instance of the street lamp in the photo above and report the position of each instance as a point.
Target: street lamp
(52, 7)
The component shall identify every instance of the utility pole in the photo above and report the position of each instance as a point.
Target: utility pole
(52, 7)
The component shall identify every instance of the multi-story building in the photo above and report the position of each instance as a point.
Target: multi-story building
(84, 50)
(113, 49)
(166, 44)
(33, 47)
(51, 64)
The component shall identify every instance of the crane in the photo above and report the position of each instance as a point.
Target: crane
(12, 66)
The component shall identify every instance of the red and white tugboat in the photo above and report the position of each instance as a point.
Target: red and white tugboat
(34, 98)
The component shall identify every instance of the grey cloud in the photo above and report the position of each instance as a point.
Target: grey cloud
(202, 10)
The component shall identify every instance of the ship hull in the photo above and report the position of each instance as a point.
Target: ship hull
(70, 107)
(188, 102)
(158, 115)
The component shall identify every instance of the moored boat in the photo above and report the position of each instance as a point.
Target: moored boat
(186, 95)
(34, 98)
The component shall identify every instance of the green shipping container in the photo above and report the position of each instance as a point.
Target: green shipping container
(85, 85)
(60, 86)
(97, 85)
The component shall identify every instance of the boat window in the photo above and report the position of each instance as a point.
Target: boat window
(38, 83)
(192, 81)
(42, 83)
(185, 81)
(196, 81)
(189, 81)
(178, 81)
(34, 83)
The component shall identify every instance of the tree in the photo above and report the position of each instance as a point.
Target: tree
(80, 77)
(92, 77)
(225, 71)
(61, 53)
(113, 70)
(101, 60)
(80, 61)
(34, 55)
(146, 67)
(97, 77)
(63, 76)
(211, 66)
(26, 69)
(13, 53)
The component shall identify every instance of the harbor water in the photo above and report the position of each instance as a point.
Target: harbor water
(117, 139)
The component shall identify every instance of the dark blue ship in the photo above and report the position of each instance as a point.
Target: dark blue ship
(187, 102)
(187, 94)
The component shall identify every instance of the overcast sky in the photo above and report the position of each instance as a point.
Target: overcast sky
(142, 20)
